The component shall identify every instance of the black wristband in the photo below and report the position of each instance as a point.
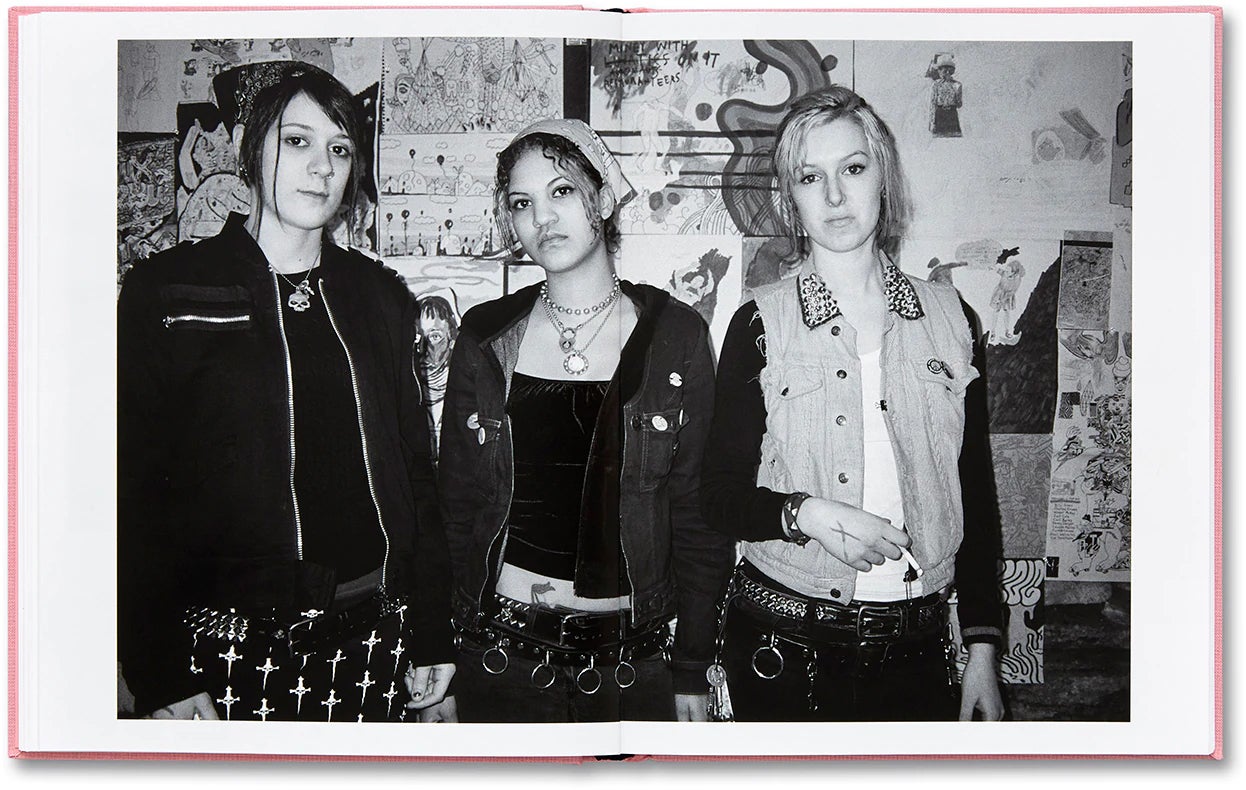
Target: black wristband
(791, 509)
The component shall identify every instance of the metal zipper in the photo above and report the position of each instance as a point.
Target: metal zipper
(170, 320)
(285, 344)
(502, 531)
(363, 437)
(510, 497)
(631, 593)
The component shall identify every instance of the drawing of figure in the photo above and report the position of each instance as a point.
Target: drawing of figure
(315, 51)
(941, 272)
(1004, 298)
(207, 164)
(205, 152)
(740, 76)
(1096, 352)
(651, 118)
(1099, 546)
(438, 329)
(945, 96)
(697, 285)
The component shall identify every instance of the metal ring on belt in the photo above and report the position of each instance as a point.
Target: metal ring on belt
(630, 669)
(545, 665)
(773, 649)
(589, 671)
(495, 650)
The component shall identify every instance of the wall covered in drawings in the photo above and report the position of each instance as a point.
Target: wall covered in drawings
(1018, 155)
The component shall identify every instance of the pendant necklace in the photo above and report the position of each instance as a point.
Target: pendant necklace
(300, 300)
(575, 362)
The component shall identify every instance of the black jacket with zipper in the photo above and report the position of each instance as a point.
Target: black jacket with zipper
(206, 515)
(641, 491)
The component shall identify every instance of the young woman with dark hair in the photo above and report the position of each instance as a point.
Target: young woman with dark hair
(571, 440)
(849, 454)
(280, 552)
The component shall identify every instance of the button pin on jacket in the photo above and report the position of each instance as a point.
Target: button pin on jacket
(938, 366)
(473, 423)
(659, 422)
(676, 380)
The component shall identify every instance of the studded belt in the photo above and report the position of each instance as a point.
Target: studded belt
(853, 622)
(310, 632)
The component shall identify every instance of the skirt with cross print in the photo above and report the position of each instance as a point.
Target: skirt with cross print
(255, 677)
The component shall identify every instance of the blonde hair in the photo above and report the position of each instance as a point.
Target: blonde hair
(818, 109)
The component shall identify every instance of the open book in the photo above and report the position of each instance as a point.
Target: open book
(1089, 263)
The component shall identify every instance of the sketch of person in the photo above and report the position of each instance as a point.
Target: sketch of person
(945, 96)
(1096, 352)
(438, 329)
(206, 163)
(1004, 298)
(651, 118)
(205, 152)
(697, 285)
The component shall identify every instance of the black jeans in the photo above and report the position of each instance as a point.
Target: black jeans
(818, 680)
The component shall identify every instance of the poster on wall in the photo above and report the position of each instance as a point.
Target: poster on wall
(145, 197)
(1089, 515)
(440, 85)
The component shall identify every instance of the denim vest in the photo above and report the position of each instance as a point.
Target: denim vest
(813, 442)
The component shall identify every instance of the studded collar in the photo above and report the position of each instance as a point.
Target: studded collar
(818, 304)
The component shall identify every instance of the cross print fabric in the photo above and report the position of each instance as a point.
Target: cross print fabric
(254, 678)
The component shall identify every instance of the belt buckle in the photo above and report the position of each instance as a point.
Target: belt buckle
(564, 621)
(893, 622)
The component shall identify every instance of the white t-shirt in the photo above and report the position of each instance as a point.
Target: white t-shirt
(882, 485)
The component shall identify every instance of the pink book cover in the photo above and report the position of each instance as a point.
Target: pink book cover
(1016, 130)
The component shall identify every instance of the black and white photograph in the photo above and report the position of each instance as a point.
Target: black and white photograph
(583, 376)
(892, 484)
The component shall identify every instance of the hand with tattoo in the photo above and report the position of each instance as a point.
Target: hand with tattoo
(850, 534)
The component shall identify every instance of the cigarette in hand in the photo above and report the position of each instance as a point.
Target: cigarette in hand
(904, 553)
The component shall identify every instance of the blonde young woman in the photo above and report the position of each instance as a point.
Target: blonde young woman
(574, 421)
(849, 453)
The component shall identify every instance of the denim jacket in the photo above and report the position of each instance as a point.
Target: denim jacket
(808, 436)
(641, 482)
